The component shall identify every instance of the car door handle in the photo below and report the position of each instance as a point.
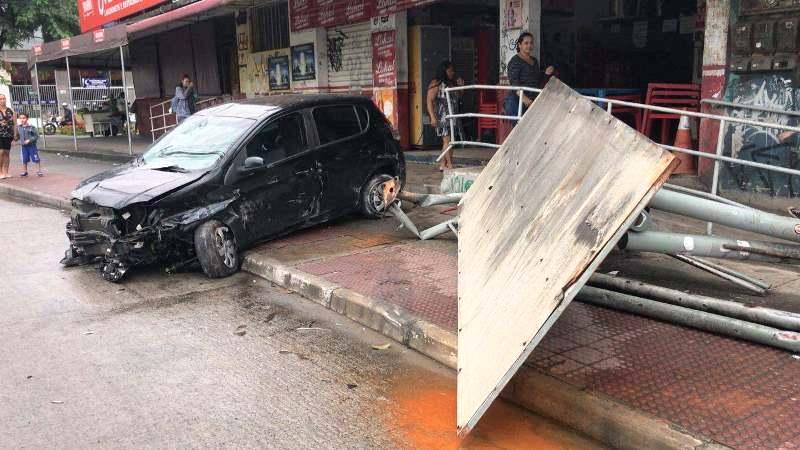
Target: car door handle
(304, 172)
(273, 180)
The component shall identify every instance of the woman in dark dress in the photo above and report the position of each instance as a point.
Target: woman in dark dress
(437, 108)
(523, 70)
(8, 133)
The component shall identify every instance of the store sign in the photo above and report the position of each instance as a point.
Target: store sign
(94, 14)
(99, 36)
(95, 83)
(37, 50)
(384, 59)
(307, 14)
(65, 44)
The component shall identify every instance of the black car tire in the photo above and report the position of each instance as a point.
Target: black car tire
(372, 196)
(216, 249)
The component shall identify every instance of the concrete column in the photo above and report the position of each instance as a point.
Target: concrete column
(715, 50)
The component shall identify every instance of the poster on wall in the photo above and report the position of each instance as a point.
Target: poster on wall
(278, 73)
(95, 83)
(384, 59)
(513, 16)
(303, 66)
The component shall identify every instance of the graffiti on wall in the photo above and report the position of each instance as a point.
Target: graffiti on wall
(775, 92)
(335, 51)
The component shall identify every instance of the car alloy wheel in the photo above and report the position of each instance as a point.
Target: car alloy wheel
(225, 247)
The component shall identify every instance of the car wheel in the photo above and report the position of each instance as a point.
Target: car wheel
(216, 249)
(372, 203)
(49, 129)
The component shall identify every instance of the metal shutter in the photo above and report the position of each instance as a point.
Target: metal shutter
(350, 57)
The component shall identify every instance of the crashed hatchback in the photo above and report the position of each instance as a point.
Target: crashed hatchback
(232, 175)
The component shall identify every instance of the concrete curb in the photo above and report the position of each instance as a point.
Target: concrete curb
(603, 419)
(19, 193)
(388, 319)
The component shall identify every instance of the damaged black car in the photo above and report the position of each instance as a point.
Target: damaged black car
(230, 176)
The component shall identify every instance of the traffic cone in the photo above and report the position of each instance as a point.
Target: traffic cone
(683, 139)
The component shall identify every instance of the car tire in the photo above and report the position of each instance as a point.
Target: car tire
(216, 249)
(49, 129)
(372, 196)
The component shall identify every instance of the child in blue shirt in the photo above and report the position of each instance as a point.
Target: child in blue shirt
(28, 137)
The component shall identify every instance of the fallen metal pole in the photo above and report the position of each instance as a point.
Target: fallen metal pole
(404, 219)
(724, 274)
(773, 249)
(426, 200)
(736, 274)
(783, 320)
(436, 230)
(426, 234)
(689, 244)
(696, 193)
(714, 323)
(741, 218)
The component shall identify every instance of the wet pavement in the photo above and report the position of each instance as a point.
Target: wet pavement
(184, 361)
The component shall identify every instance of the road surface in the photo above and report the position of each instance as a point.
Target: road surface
(184, 361)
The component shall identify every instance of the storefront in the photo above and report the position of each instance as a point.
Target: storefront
(762, 81)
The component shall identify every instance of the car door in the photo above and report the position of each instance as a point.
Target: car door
(343, 153)
(284, 189)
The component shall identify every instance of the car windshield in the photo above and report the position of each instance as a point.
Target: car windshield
(196, 144)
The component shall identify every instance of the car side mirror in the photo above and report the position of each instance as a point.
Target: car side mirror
(253, 162)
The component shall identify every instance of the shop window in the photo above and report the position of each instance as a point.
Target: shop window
(269, 27)
(335, 123)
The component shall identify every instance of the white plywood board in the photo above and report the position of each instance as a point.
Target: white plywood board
(550, 205)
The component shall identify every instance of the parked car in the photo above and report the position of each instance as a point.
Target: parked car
(233, 175)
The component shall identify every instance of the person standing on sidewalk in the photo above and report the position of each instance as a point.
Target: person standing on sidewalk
(8, 132)
(184, 102)
(30, 153)
(437, 108)
(524, 71)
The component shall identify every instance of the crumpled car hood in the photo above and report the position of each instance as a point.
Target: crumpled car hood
(120, 187)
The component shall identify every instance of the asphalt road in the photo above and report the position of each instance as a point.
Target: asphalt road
(176, 361)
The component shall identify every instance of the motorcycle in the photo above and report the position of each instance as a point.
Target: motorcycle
(54, 123)
(51, 125)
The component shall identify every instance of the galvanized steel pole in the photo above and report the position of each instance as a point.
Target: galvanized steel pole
(741, 218)
(740, 329)
(765, 316)
(125, 96)
(39, 102)
(690, 244)
(72, 107)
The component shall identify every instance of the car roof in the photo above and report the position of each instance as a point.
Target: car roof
(260, 107)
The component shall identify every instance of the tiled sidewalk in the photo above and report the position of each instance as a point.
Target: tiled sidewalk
(739, 394)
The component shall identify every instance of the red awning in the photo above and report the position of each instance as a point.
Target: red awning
(172, 19)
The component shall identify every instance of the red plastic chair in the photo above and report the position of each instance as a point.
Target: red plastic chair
(622, 110)
(487, 104)
(676, 96)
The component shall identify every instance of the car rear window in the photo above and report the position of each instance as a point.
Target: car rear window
(335, 123)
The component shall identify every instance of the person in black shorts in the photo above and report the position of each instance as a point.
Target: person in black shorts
(8, 130)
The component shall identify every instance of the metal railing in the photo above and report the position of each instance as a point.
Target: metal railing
(167, 119)
(23, 100)
(717, 157)
(95, 99)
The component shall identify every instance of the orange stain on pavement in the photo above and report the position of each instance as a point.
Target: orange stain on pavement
(424, 415)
